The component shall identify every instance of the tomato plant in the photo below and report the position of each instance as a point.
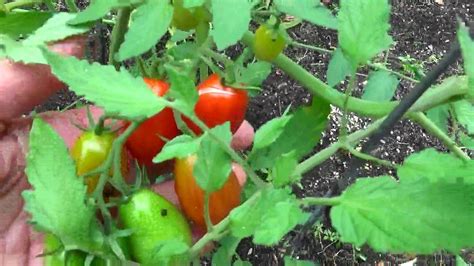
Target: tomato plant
(218, 104)
(268, 43)
(191, 196)
(216, 39)
(152, 219)
(146, 141)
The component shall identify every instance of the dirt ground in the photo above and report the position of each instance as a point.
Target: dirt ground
(422, 29)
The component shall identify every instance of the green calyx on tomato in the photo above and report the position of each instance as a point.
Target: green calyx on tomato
(56, 256)
(89, 152)
(268, 43)
(187, 19)
(146, 142)
(153, 219)
(218, 103)
(191, 196)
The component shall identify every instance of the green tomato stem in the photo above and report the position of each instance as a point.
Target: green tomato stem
(20, 3)
(345, 113)
(370, 158)
(320, 201)
(71, 5)
(433, 129)
(326, 153)
(219, 230)
(372, 65)
(444, 93)
(118, 34)
(202, 32)
(207, 213)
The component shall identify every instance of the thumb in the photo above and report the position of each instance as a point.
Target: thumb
(22, 87)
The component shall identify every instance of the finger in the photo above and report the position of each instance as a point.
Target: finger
(243, 137)
(22, 87)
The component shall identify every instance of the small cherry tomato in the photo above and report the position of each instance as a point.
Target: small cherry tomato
(152, 219)
(145, 142)
(187, 19)
(191, 196)
(268, 43)
(89, 152)
(218, 104)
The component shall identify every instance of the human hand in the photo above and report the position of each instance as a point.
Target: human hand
(22, 87)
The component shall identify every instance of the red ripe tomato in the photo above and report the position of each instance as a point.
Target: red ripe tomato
(218, 104)
(191, 196)
(145, 142)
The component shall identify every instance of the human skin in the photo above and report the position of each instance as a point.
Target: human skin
(22, 87)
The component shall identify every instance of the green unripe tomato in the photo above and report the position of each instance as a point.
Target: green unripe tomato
(187, 19)
(268, 43)
(152, 219)
(62, 258)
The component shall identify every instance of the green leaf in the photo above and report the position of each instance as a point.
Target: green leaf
(170, 251)
(461, 262)
(184, 51)
(255, 73)
(16, 24)
(227, 32)
(439, 115)
(193, 3)
(465, 114)
(283, 169)
(16, 51)
(179, 147)
(415, 216)
(213, 164)
(278, 221)
(239, 262)
(269, 215)
(289, 261)
(149, 23)
(467, 48)
(301, 133)
(339, 68)
(380, 87)
(56, 28)
(270, 131)
(310, 10)
(224, 254)
(447, 168)
(183, 91)
(117, 92)
(363, 27)
(53, 202)
(467, 141)
(98, 9)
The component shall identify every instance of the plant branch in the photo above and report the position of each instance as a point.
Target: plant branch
(372, 65)
(368, 157)
(443, 93)
(434, 130)
(118, 34)
(324, 154)
(345, 113)
(320, 201)
(71, 5)
(20, 3)
(207, 213)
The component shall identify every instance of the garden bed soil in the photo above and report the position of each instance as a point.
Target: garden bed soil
(423, 30)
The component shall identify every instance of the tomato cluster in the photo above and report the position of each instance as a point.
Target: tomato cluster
(151, 217)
